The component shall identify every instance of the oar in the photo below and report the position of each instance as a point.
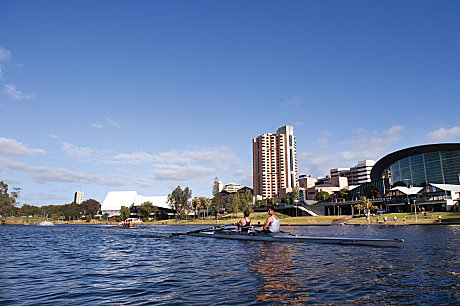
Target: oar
(196, 231)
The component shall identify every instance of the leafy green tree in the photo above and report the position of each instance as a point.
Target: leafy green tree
(207, 202)
(29, 210)
(371, 192)
(70, 211)
(144, 210)
(155, 212)
(295, 194)
(178, 200)
(259, 203)
(105, 216)
(124, 213)
(90, 207)
(245, 201)
(286, 200)
(233, 204)
(322, 196)
(366, 206)
(215, 197)
(7, 200)
(272, 201)
(343, 193)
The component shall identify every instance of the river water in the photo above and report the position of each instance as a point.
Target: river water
(92, 265)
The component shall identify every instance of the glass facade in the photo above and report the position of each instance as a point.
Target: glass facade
(441, 167)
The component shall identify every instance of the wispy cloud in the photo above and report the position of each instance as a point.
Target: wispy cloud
(97, 126)
(293, 102)
(80, 153)
(10, 146)
(112, 122)
(5, 54)
(139, 157)
(444, 134)
(47, 174)
(16, 94)
(367, 145)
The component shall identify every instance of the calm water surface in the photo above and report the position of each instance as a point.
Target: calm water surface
(104, 265)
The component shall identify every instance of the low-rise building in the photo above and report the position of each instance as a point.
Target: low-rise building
(114, 200)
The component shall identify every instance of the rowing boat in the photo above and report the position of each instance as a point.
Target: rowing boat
(252, 235)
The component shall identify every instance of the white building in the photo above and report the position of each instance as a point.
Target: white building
(114, 200)
(78, 197)
(357, 175)
(232, 187)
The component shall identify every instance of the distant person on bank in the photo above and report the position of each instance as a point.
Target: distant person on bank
(272, 224)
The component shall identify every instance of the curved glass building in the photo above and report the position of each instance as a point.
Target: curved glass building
(421, 165)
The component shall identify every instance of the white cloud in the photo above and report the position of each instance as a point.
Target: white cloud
(5, 54)
(369, 145)
(47, 174)
(443, 134)
(135, 158)
(97, 126)
(293, 102)
(112, 122)
(79, 153)
(16, 94)
(13, 147)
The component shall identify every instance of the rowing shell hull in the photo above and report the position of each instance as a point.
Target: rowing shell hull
(284, 237)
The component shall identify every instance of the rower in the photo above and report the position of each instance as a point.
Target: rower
(246, 221)
(272, 224)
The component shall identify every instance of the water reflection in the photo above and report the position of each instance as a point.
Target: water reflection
(274, 267)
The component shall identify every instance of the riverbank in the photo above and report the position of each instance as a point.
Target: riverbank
(260, 218)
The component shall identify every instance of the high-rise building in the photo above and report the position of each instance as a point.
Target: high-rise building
(78, 197)
(357, 175)
(275, 163)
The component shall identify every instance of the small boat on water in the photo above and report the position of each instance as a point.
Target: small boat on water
(46, 223)
(252, 235)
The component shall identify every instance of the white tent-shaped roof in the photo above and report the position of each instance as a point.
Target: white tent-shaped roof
(114, 200)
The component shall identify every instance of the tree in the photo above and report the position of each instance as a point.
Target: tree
(125, 213)
(207, 202)
(215, 197)
(366, 205)
(343, 193)
(144, 210)
(7, 200)
(178, 200)
(371, 192)
(29, 210)
(233, 204)
(245, 201)
(259, 203)
(295, 194)
(70, 211)
(106, 217)
(322, 196)
(272, 201)
(90, 207)
(286, 200)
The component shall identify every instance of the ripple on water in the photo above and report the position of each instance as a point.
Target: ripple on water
(102, 265)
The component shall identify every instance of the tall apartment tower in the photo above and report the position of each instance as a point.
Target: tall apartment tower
(78, 197)
(274, 163)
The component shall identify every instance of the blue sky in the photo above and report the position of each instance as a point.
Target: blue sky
(148, 95)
